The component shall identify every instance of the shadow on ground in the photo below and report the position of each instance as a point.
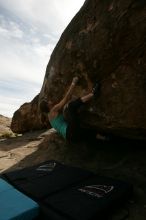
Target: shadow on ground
(16, 142)
(120, 158)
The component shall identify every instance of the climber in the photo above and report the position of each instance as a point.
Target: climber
(63, 117)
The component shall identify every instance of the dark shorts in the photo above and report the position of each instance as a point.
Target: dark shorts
(74, 131)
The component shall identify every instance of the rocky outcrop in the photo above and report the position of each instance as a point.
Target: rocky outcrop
(5, 123)
(106, 42)
(26, 118)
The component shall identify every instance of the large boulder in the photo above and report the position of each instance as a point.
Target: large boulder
(104, 42)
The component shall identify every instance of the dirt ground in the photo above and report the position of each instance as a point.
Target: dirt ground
(122, 159)
(13, 150)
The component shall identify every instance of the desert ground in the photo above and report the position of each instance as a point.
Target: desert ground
(120, 159)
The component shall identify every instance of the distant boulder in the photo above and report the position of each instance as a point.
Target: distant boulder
(26, 118)
(5, 130)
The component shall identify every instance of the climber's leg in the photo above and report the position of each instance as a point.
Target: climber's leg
(74, 130)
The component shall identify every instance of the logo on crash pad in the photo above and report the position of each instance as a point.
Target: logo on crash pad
(98, 191)
(47, 167)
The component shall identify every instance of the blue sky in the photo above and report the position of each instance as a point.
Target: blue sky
(29, 31)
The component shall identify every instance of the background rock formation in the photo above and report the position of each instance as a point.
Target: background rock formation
(26, 118)
(5, 123)
(105, 41)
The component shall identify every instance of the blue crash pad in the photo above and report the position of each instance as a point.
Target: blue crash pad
(14, 205)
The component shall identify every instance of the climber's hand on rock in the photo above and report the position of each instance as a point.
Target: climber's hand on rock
(75, 80)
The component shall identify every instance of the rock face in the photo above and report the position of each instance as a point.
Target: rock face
(105, 41)
(26, 118)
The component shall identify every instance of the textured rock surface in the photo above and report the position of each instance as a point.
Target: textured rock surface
(5, 123)
(26, 118)
(105, 41)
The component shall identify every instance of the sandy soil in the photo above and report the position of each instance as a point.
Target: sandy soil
(13, 150)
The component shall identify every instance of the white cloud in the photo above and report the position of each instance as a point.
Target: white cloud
(24, 62)
(10, 29)
(21, 59)
(49, 15)
(9, 105)
(29, 30)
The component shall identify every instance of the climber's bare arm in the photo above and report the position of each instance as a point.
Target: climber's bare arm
(58, 107)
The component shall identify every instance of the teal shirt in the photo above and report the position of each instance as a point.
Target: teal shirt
(59, 124)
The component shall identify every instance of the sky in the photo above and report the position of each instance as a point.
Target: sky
(29, 31)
